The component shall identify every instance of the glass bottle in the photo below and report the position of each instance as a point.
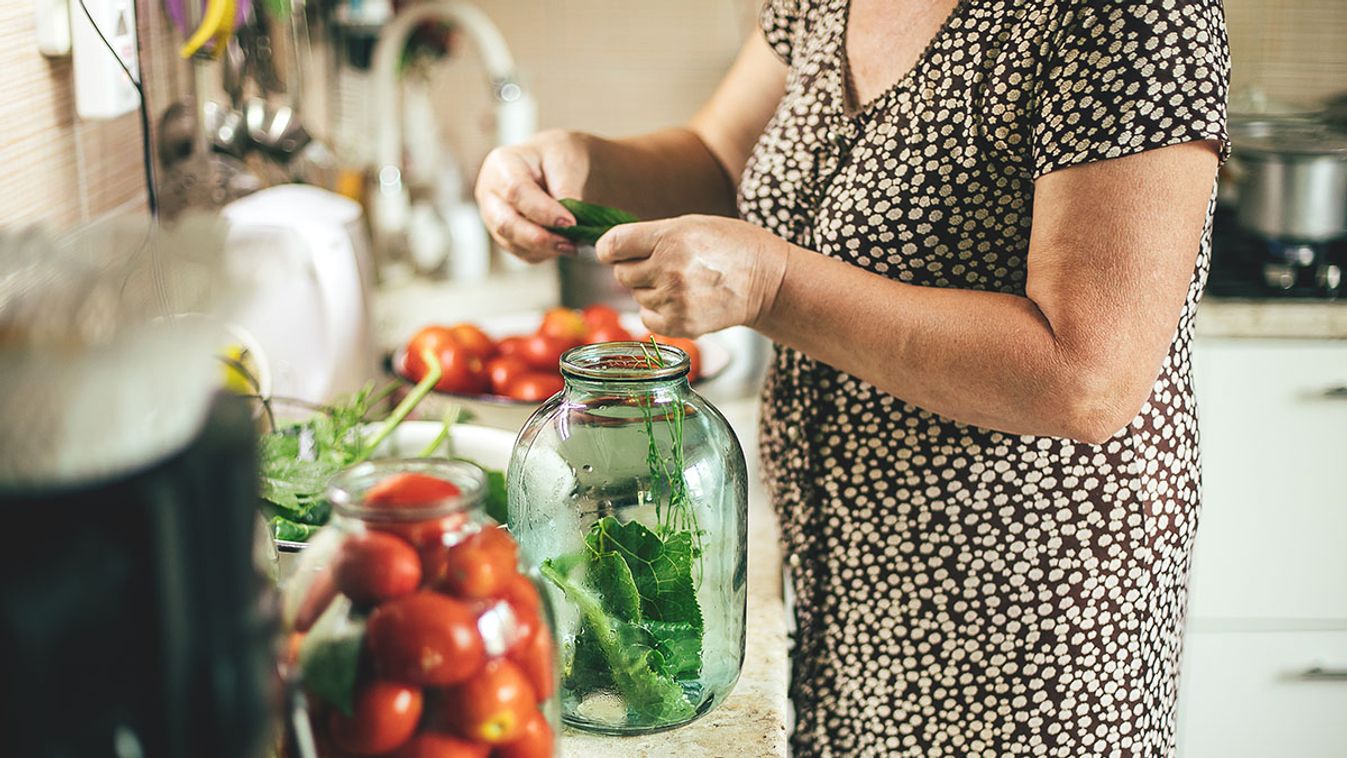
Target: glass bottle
(412, 624)
(629, 490)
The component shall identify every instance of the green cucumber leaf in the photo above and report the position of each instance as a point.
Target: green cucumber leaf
(329, 657)
(627, 652)
(496, 501)
(612, 578)
(661, 569)
(679, 645)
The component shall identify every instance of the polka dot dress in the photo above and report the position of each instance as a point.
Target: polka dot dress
(963, 592)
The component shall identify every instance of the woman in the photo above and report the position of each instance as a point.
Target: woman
(977, 232)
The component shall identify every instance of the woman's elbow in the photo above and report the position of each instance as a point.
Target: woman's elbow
(1097, 402)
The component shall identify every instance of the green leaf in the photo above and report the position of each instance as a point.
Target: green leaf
(329, 657)
(679, 645)
(627, 651)
(292, 531)
(496, 502)
(612, 578)
(662, 569)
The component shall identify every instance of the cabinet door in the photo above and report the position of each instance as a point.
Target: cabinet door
(1272, 537)
(1263, 695)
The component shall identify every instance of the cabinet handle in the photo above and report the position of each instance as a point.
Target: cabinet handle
(1336, 393)
(1321, 674)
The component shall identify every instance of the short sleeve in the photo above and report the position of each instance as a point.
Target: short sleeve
(1124, 77)
(779, 19)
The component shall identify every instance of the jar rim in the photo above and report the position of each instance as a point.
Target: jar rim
(626, 361)
(346, 492)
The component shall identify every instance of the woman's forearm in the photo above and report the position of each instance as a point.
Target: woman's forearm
(658, 175)
(984, 358)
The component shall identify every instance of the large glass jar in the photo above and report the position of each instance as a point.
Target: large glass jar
(629, 491)
(412, 628)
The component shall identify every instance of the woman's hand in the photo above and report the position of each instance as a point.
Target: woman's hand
(517, 190)
(697, 274)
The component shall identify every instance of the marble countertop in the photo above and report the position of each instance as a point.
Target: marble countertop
(1272, 319)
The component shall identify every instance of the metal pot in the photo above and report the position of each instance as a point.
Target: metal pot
(1294, 182)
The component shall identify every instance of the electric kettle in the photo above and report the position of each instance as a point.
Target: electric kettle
(303, 253)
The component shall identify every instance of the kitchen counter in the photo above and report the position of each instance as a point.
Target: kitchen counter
(751, 723)
(1272, 319)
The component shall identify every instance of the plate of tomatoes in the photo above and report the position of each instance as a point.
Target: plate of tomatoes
(512, 361)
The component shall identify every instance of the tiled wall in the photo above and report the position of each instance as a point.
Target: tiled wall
(56, 168)
(610, 66)
(1294, 51)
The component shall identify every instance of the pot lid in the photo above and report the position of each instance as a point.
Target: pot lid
(1282, 138)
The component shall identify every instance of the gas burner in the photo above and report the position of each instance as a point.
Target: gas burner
(1247, 265)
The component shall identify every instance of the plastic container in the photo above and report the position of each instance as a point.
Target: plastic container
(629, 491)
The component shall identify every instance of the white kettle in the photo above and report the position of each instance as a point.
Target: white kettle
(304, 254)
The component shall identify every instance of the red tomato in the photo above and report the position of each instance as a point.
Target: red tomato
(375, 566)
(564, 324)
(534, 658)
(543, 352)
(437, 745)
(534, 740)
(413, 490)
(410, 490)
(478, 567)
(474, 340)
(425, 638)
(511, 346)
(317, 598)
(608, 333)
(534, 387)
(384, 717)
(498, 538)
(463, 369)
(432, 338)
(493, 706)
(601, 315)
(688, 346)
(520, 593)
(504, 369)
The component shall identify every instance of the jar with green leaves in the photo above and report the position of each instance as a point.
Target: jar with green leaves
(629, 492)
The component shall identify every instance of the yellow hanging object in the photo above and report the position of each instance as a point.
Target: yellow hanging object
(217, 23)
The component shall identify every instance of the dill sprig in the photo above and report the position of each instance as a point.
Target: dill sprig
(674, 510)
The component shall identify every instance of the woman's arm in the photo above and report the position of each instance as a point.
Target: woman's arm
(1110, 260)
(692, 169)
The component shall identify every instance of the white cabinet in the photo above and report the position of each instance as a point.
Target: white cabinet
(1265, 657)
(1264, 695)
(1272, 534)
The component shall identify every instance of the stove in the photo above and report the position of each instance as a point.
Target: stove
(1249, 265)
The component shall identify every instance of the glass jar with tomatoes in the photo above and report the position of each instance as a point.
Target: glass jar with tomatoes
(414, 630)
(629, 491)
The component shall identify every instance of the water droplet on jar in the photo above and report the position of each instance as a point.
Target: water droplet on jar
(588, 469)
